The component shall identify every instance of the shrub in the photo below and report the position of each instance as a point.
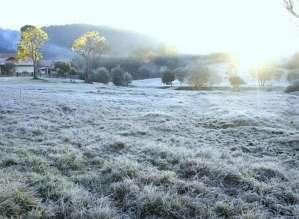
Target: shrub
(180, 74)
(10, 67)
(82, 75)
(168, 77)
(62, 67)
(201, 75)
(101, 75)
(293, 87)
(236, 81)
(127, 79)
(293, 75)
(117, 76)
(73, 71)
(214, 78)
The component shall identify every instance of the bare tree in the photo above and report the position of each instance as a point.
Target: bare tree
(289, 5)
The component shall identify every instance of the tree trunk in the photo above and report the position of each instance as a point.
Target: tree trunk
(88, 76)
(35, 71)
(88, 72)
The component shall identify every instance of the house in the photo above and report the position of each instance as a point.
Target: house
(46, 67)
(21, 66)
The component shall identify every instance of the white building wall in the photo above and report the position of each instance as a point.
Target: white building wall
(20, 69)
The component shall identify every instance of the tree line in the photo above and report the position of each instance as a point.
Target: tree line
(202, 74)
(90, 48)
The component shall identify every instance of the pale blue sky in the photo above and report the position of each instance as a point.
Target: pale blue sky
(255, 29)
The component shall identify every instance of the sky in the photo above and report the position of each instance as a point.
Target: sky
(254, 30)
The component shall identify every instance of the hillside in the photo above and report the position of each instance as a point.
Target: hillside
(9, 39)
(62, 37)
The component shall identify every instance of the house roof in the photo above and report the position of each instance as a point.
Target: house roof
(7, 55)
(45, 63)
(10, 59)
(4, 57)
(41, 63)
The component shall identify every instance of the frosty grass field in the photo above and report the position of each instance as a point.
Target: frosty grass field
(75, 150)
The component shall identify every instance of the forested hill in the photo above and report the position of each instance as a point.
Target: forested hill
(62, 37)
(8, 40)
(120, 41)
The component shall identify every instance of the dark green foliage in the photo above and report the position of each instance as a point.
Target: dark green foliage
(293, 75)
(293, 87)
(168, 77)
(26, 27)
(81, 75)
(101, 75)
(73, 71)
(236, 81)
(62, 67)
(119, 77)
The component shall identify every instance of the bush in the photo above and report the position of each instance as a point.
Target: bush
(119, 77)
(168, 77)
(127, 79)
(82, 75)
(62, 67)
(101, 75)
(180, 74)
(293, 87)
(293, 75)
(73, 71)
(236, 81)
(202, 75)
(10, 66)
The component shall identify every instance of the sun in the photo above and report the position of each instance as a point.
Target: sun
(246, 60)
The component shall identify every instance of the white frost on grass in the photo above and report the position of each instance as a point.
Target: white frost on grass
(205, 147)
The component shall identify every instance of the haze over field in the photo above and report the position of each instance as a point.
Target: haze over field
(254, 30)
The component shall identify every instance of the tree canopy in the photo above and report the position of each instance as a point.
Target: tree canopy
(180, 74)
(31, 42)
(62, 67)
(236, 81)
(168, 77)
(90, 46)
(198, 75)
(266, 72)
